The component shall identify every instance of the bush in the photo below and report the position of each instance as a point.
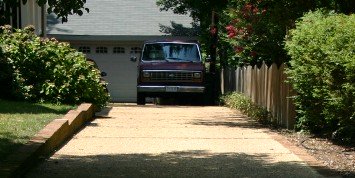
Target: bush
(246, 106)
(5, 77)
(46, 70)
(322, 48)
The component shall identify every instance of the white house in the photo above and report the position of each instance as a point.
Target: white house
(26, 14)
(114, 30)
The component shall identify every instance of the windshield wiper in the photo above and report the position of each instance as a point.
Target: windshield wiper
(173, 59)
(177, 59)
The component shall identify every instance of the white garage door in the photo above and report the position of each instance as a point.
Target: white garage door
(121, 71)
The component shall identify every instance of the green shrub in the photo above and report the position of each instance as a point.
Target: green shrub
(46, 70)
(322, 48)
(246, 106)
(5, 76)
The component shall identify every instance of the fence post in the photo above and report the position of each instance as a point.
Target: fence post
(252, 83)
(269, 91)
(277, 95)
(248, 81)
(237, 75)
(222, 82)
(260, 86)
(232, 80)
(263, 86)
(283, 95)
(243, 71)
(274, 92)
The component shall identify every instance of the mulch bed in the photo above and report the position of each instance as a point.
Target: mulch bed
(335, 157)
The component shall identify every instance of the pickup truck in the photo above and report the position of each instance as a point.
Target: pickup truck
(170, 68)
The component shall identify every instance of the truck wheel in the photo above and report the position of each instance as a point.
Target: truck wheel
(140, 99)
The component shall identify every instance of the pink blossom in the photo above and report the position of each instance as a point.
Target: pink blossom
(238, 49)
(231, 31)
(241, 31)
(231, 35)
(255, 10)
(248, 6)
(230, 28)
(263, 11)
(213, 30)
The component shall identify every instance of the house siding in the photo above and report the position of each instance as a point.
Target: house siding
(22, 15)
(31, 14)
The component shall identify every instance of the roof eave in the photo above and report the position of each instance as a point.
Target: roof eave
(108, 38)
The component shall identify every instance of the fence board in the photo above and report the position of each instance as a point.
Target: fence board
(266, 86)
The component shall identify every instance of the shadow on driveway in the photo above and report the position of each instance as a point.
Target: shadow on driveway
(194, 163)
(239, 121)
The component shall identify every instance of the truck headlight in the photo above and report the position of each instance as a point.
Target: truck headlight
(197, 75)
(146, 74)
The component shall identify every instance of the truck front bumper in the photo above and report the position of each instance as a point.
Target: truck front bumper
(170, 89)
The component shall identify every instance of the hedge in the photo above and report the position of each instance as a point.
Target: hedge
(45, 70)
(322, 50)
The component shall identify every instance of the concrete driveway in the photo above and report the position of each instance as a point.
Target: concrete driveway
(172, 141)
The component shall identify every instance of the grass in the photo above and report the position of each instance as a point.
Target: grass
(19, 121)
(246, 106)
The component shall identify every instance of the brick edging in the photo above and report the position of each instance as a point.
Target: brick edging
(46, 141)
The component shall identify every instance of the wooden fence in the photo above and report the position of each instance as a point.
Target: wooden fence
(266, 86)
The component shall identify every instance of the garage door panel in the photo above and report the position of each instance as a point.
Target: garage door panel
(121, 74)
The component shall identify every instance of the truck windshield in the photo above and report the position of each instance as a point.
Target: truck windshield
(171, 52)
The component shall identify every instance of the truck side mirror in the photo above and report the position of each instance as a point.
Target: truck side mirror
(133, 58)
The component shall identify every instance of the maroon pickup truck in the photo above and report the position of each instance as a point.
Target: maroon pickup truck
(170, 68)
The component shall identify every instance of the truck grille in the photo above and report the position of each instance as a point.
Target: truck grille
(171, 75)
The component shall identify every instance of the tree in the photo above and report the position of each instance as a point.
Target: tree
(251, 31)
(200, 11)
(62, 8)
(257, 28)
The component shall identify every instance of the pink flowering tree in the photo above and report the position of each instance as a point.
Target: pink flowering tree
(250, 31)
(247, 28)
(256, 29)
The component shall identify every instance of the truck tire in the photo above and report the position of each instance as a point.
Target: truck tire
(140, 99)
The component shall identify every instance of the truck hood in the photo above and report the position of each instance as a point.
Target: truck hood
(172, 66)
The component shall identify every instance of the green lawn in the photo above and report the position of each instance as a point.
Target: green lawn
(19, 121)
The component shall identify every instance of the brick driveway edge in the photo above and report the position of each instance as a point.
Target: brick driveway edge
(305, 156)
(46, 141)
